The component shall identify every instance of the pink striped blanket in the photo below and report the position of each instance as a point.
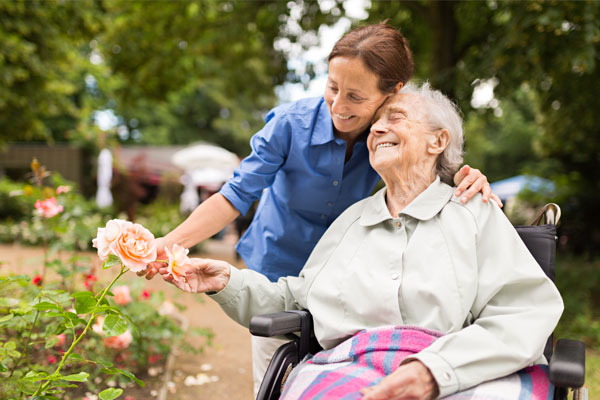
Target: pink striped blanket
(365, 358)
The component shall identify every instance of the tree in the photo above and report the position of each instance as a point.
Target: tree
(552, 48)
(43, 63)
(196, 70)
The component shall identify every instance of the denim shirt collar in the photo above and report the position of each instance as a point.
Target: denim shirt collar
(425, 206)
(325, 135)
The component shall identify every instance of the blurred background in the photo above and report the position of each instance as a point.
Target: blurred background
(111, 95)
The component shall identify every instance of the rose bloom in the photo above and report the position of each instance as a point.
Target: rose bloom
(145, 294)
(134, 247)
(178, 261)
(122, 295)
(97, 327)
(106, 236)
(48, 208)
(120, 342)
(62, 338)
(89, 281)
(37, 280)
(63, 189)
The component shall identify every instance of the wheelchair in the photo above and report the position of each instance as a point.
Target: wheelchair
(566, 359)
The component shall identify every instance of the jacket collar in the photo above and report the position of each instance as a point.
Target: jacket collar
(424, 207)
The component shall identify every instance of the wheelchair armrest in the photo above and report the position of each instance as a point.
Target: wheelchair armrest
(280, 323)
(567, 365)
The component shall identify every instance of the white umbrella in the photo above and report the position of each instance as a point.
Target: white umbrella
(201, 156)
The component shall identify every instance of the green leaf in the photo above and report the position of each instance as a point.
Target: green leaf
(111, 261)
(6, 318)
(46, 305)
(114, 325)
(3, 368)
(80, 377)
(84, 305)
(110, 393)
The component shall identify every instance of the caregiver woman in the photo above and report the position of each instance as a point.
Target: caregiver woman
(312, 161)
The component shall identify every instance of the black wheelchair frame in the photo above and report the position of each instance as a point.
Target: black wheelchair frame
(566, 358)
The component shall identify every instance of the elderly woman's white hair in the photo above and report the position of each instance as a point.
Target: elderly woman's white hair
(442, 113)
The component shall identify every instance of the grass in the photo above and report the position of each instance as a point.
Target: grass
(592, 373)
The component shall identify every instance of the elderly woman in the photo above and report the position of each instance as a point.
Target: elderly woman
(412, 255)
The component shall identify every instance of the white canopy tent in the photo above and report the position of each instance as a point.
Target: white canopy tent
(205, 165)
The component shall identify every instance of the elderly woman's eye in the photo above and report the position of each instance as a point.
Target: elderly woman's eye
(398, 116)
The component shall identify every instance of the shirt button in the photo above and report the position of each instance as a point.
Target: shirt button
(329, 203)
(395, 276)
(323, 216)
(447, 376)
(335, 183)
(398, 224)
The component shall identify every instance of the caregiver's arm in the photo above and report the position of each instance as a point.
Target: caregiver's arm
(515, 310)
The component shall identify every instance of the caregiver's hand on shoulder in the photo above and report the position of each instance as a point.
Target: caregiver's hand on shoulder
(201, 275)
(470, 181)
(411, 381)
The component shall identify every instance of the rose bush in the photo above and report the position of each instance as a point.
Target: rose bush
(61, 337)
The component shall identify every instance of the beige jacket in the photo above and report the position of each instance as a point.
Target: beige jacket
(456, 268)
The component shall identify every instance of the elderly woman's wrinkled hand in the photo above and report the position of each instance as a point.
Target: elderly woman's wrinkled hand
(471, 181)
(200, 276)
(411, 381)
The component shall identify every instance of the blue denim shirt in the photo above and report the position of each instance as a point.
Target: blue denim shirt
(297, 170)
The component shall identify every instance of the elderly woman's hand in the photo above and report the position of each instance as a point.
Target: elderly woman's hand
(470, 181)
(202, 275)
(411, 381)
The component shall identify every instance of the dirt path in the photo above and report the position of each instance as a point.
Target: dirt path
(229, 359)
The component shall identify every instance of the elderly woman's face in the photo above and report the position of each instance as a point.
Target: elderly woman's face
(352, 95)
(399, 134)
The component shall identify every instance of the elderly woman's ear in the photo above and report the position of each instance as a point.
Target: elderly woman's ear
(438, 141)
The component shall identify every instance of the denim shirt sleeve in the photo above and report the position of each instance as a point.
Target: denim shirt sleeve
(270, 147)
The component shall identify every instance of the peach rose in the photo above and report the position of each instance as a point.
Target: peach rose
(48, 208)
(107, 235)
(134, 247)
(178, 260)
(122, 295)
(120, 342)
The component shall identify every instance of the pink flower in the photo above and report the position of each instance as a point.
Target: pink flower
(63, 189)
(178, 260)
(107, 235)
(62, 338)
(122, 295)
(97, 327)
(48, 208)
(120, 342)
(51, 359)
(145, 294)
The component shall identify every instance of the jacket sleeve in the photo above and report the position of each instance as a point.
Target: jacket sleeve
(515, 310)
(270, 147)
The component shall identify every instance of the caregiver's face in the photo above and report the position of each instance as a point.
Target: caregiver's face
(399, 133)
(352, 95)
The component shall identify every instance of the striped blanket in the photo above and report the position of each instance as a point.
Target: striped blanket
(364, 359)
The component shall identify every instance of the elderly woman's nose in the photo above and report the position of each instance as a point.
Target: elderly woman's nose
(379, 127)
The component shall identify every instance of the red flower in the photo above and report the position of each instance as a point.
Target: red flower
(52, 360)
(37, 280)
(145, 294)
(154, 358)
(89, 281)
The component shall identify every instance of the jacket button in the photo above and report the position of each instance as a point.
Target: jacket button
(447, 376)
(395, 276)
(398, 224)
